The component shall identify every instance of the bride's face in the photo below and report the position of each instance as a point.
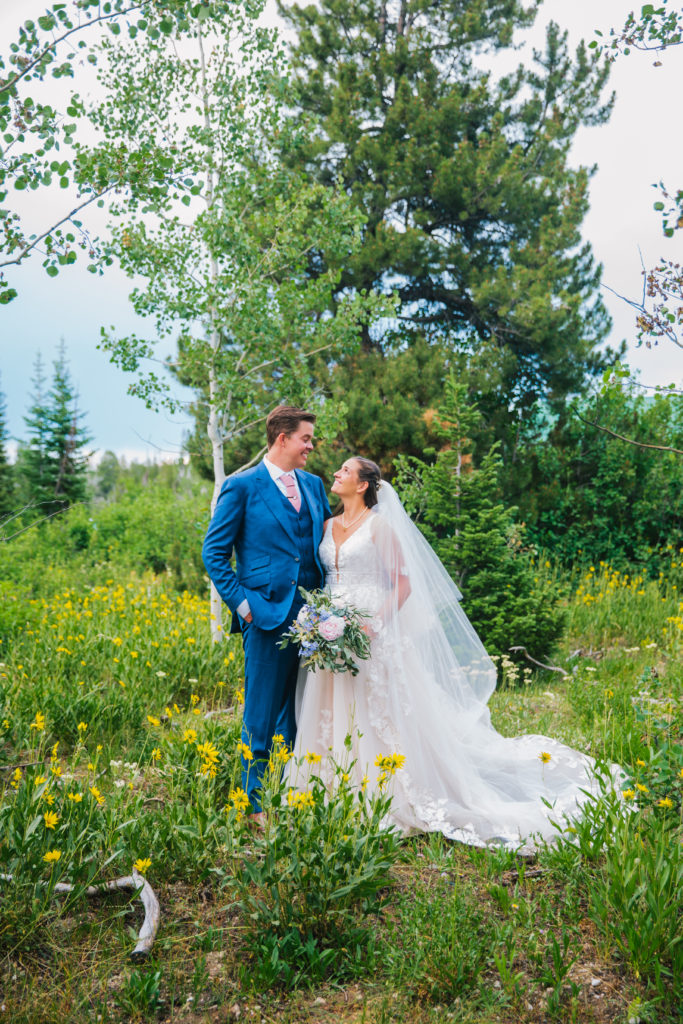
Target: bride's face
(346, 481)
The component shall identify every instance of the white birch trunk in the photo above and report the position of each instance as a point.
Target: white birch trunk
(214, 428)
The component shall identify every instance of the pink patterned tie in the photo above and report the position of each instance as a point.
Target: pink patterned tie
(290, 487)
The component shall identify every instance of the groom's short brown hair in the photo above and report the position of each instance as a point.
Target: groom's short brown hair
(285, 419)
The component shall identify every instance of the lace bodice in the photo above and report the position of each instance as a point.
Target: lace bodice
(353, 570)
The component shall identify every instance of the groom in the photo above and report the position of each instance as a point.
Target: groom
(272, 517)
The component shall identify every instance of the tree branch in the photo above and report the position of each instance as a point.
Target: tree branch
(36, 241)
(628, 440)
(11, 82)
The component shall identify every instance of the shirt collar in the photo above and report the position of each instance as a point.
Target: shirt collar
(274, 470)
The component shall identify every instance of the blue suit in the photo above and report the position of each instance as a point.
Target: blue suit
(276, 552)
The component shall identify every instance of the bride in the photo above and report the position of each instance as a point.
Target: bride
(423, 693)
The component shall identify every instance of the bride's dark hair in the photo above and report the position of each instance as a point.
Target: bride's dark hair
(369, 471)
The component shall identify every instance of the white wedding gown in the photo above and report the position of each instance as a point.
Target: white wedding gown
(461, 777)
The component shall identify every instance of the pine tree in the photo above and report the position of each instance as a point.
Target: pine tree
(33, 464)
(473, 212)
(459, 509)
(7, 498)
(53, 464)
(67, 437)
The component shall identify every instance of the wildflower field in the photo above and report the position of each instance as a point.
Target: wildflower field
(119, 752)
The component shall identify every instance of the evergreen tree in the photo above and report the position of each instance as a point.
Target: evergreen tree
(473, 213)
(459, 509)
(68, 438)
(7, 499)
(33, 465)
(53, 462)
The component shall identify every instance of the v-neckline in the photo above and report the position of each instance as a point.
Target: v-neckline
(338, 547)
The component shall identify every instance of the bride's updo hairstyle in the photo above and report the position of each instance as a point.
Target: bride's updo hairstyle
(369, 471)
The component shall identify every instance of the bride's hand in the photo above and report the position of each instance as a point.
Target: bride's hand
(373, 628)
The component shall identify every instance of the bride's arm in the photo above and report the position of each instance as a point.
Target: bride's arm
(391, 557)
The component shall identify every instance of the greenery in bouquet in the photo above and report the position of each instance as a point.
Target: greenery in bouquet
(329, 634)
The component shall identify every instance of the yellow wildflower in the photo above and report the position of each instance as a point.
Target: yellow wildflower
(75, 797)
(299, 800)
(390, 763)
(641, 764)
(628, 794)
(641, 788)
(52, 856)
(239, 695)
(16, 778)
(50, 819)
(194, 698)
(313, 758)
(96, 793)
(82, 726)
(190, 736)
(208, 751)
(153, 720)
(142, 864)
(38, 722)
(665, 802)
(244, 750)
(56, 769)
(544, 757)
(156, 754)
(39, 779)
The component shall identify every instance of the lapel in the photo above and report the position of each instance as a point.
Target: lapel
(273, 500)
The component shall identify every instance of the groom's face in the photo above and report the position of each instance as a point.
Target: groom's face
(295, 448)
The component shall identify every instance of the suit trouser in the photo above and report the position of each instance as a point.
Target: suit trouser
(269, 691)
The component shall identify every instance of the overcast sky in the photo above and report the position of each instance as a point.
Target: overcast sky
(640, 146)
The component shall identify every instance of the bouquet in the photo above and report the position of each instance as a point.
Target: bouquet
(329, 634)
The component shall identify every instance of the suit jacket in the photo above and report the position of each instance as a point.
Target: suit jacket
(252, 519)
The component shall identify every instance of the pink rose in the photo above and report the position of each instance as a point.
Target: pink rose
(332, 628)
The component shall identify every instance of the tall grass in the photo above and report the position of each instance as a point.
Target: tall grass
(119, 733)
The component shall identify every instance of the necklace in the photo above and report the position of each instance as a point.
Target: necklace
(353, 521)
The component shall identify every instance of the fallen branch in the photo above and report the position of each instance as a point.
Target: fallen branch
(550, 668)
(220, 711)
(136, 882)
(513, 876)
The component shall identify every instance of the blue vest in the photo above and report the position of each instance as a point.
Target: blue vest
(309, 574)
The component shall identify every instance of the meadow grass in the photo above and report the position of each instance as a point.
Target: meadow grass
(119, 744)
